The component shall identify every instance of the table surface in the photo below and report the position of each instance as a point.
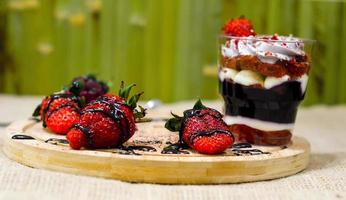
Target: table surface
(325, 177)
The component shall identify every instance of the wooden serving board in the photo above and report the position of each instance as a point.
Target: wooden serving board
(147, 164)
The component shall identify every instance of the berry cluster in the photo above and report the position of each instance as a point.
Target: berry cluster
(89, 116)
(87, 87)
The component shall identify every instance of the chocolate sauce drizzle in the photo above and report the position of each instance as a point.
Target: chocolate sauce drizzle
(242, 152)
(208, 133)
(56, 141)
(22, 137)
(176, 148)
(242, 149)
(86, 131)
(284, 147)
(148, 142)
(115, 113)
(242, 145)
(130, 150)
(239, 149)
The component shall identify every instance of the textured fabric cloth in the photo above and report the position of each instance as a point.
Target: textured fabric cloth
(325, 178)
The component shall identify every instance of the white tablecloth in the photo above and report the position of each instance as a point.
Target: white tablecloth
(325, 178)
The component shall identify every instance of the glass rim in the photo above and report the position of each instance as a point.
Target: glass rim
(302, 40)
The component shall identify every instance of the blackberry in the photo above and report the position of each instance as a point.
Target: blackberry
(88, 87)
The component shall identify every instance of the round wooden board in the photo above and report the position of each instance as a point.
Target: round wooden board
(153, 167)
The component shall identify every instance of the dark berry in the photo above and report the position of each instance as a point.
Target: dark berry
(88, 87)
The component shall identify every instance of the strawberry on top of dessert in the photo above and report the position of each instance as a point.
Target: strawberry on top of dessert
(240, 27)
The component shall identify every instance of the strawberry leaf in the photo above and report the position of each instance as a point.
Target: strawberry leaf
(138, 114)
(175, 115)
(198, 105)
(174, 124)
(37, 111)
(124, 91)
(133, 100)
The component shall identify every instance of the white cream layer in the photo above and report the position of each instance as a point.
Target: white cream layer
(247, 77)
(257, 124)
(266, 49)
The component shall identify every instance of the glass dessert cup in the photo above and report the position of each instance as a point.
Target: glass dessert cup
(262, 80)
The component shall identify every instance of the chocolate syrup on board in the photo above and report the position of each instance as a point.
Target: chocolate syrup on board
(130, 150)
(242, 145)
(22, 137)
(175, 148)
(172, 148)
(56, 141)
(252, 152)
(141, 148)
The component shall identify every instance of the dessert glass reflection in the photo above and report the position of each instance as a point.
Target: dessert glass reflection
(262, 80)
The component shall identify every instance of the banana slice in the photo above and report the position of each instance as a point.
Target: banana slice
(227, 73)
(247, 78)
(271, 81)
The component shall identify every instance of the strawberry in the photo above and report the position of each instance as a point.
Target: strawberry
(59, 112)
(202, 129)
(106, 122)
(240, 27)
(87, 87)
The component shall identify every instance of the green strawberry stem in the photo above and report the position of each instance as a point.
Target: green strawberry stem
(174, 124)
(139, 113)
(124, 93)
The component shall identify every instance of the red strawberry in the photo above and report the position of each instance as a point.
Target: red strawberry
(59, 112)
(240, 27)
(106, 122)
(202, 129)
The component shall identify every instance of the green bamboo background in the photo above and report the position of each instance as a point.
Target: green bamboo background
(167, 47)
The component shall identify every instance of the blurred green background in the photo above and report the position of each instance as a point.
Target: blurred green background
(167, 47)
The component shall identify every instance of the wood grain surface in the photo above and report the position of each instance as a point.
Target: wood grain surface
(153, 166)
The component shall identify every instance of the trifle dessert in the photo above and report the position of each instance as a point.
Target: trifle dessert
(263, 79)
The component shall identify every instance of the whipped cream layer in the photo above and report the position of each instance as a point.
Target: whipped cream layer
(257, 124)
(247, 78)
(268, 49)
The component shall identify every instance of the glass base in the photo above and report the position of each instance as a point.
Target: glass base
(243, 133)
